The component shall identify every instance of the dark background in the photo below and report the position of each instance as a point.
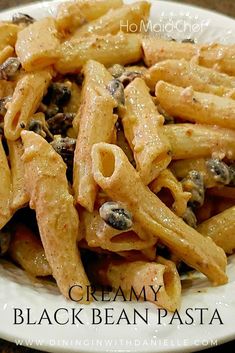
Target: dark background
(226, 7)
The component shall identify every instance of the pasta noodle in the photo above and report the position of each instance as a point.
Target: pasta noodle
(96, 124)
(26, 249)
(203, 108)
(37, 45)
(121, 48)
(221, 229)
(166, 179)
(143, 130)
(117, 19)
(72, 14)
(115, 179)
(5, 53)
(139, 274)
(196, 141)
(98, 234)
(58, 226)
(185, 73)
(26, 99)
(213, 55)
(8, 34)
(122, 144)
(5, 188)
(20, 196)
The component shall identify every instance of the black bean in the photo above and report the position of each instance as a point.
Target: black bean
(60, 123)
(9, 68)
(194, 183)
(116, 88)
(19, 18)
(65, 147)
(58, 94)
(190, 218)
(51, 111)
(5, 238)
(219, 170)
(40, 128)
(129, 76)
(116, 216)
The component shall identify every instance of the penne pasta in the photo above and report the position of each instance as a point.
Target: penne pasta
(122, 48)
(58, 225)
(26, 99)
(202, 108)
(6, 53)
(186, 73)
(115, 20)
(8, 34)
(96, 124)
(136, 275)
(6, 88)
(167, 180)
(122, 183)
(20, 196)
(221, 229)
(199, 141)
(98, 234)
(218, 56)
(143, 129)
(27, 251)
(73, 14)
(5, 188)
(37, 45)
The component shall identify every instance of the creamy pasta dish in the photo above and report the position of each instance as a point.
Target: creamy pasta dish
(117, 151)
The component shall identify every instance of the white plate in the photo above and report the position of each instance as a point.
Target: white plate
(18, 290)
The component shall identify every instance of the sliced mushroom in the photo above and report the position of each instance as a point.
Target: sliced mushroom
(116, 216)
